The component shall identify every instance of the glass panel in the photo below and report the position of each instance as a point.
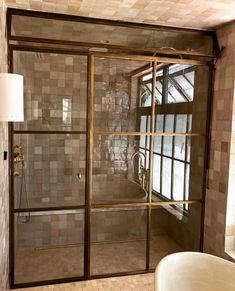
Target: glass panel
(181, 123)
(109, 34)
(174, 96)
(172, 230)
(159, 92)
(116, 94)
(187, 182)
(185, 85)
(49, 245)
(148, 130)
(167, 145)
(143, 122)
(156, 172)
(180, 147)
(52, 172)
(178, 178)
(169, 123)
(116, 173)
(157, 144)
(158, 129)
(187, 178)
(55, 91)
(167, 140)
(159, 123)
(166, 177)
(118, 240)
(143, 125)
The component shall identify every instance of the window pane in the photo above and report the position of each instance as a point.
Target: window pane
(148, 130)
(169, 123)
(157, 144)
(190, 123)
(178, 186)
(188, 145)
(187, 182)
(147, 159)
(143, 123)
(147, 77)
(146, 95)
(181, 123)
(190, 76)
(180, 147)
(159, 92)
(186, 86)
(156, 172)
(166, 177)
(159, 123)
(174, 95)
(167, 145)
(143, 120)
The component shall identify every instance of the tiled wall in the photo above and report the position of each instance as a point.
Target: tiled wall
(216, 203)
(3, 168)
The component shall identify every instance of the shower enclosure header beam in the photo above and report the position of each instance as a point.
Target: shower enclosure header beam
(74, 18)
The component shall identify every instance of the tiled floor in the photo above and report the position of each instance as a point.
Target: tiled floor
(64, 262)
(127, 283)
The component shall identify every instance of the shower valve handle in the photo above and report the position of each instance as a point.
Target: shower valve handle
(79, 175)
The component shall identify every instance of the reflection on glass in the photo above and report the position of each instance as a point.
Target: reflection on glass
(178, 178)
(166, 177)
(67, 107)
(156, 171)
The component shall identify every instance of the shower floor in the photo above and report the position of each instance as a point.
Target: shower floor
(106, 258)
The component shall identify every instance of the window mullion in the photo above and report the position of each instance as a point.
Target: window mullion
(173, 155)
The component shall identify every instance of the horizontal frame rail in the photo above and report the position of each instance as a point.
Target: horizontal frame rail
(100, 132)
(128, 204)
(153, 50)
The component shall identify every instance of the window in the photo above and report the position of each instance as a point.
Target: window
(171, 158)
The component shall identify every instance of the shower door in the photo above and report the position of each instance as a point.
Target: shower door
(49, 168)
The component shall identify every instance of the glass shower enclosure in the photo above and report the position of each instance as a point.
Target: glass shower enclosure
(108, 170)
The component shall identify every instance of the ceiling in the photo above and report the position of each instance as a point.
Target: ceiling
(205, 14)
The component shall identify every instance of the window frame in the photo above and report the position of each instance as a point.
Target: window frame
(167, 110)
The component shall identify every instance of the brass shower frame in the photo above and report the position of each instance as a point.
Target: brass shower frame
(90, 133)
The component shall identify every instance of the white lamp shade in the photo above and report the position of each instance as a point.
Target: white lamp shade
(11, 97)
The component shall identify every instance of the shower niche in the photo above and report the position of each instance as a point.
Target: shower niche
(108, 169)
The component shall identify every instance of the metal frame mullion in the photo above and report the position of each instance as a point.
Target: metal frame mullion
(90, 124)
(150, 178)
(185, 159)
(164, 96)
(173, 156)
